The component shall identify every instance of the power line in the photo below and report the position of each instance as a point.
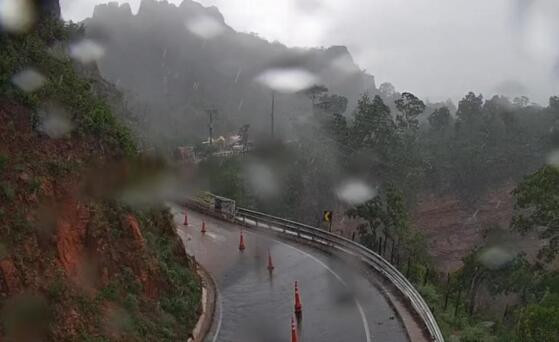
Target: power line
(273, 103)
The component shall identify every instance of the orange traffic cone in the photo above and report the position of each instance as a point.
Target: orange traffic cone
(298, 305)
(270, 264)
(185, 218)
(203, 227)
(242, 242)
(294, 337)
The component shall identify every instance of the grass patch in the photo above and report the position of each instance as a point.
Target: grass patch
(64, 85)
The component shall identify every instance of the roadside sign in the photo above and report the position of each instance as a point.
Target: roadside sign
(327, 216)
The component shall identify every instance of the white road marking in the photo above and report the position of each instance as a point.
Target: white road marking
(213, 236)
(220, 317)
(357, 303)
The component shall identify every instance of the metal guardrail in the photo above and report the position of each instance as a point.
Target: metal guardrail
(381, 265)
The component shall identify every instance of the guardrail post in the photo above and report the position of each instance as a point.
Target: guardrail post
(380, 246)
(409, 266)
(426, 276)
(384, 247)
(397, 257)
(457, 301)
(447, 291)
(392, 252)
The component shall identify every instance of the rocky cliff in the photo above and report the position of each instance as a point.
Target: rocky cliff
(48, 8)
(175, 62)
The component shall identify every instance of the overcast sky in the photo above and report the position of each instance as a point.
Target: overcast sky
(437, 49)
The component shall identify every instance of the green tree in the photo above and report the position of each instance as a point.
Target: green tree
(330, 118)
(410, 107)
(225, 177)
(469, 108)
(315, 92)
(387, 214)
(387, 90)
(537, 203)
(554, 103)
(332, 104)
(521, 101)
(373, 125)
(337, 128)
(440, 118)
(540, 321)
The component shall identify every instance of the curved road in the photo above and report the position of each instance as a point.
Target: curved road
(340, 304)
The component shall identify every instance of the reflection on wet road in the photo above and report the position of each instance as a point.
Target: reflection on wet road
(339, 303)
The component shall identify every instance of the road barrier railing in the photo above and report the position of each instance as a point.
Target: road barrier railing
(256, 219)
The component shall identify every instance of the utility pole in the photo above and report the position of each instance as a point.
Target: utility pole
(273, 103)
(211, 113)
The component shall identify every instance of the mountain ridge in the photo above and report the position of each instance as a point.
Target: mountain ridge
(157, 58)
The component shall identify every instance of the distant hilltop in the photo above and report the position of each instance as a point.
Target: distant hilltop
(178, 60)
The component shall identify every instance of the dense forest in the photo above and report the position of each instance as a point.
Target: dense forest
(484, 144)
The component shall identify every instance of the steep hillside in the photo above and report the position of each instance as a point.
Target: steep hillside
(76, 264)
(176, 62)
(453, 229)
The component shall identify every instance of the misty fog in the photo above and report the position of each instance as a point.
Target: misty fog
(435, 49)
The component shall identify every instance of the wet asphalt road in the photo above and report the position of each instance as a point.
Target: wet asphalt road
(339, 303)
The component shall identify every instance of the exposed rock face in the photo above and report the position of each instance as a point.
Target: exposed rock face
(71, 234)
(171, 69)
(134, 228)
(48, 8)
(453, 229)
(112, 10)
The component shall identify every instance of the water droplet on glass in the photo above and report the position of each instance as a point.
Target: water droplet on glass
(86, 51)
(237, 76)
(495, 257)
(474, 215)
(553, 158)
(262, 180)
(355, 192)
(54, 121)
(205, 27)
(150, 190)
(287, 80)
(29, 80)
(58, 51)
(17, 16)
